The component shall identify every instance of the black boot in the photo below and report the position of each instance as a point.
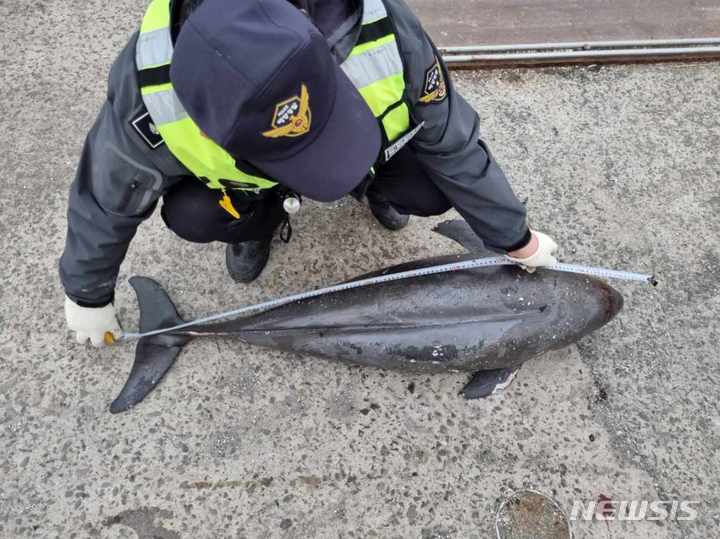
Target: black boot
(387, 215)
(246, 260)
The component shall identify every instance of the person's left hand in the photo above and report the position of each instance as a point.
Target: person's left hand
(537, 253)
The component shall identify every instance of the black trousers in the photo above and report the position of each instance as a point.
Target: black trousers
(193, 211)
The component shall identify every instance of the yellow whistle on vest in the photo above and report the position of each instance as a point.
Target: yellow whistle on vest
(109, 338)
(227, 205)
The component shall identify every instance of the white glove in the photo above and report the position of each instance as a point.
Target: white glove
(543, 255)
(92, 322)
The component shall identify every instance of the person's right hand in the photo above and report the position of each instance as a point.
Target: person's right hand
(538, 253)
(92, 322)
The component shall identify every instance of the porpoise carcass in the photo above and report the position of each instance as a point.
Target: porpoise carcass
(469, 320)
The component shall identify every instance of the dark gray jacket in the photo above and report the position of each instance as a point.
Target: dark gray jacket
(121, 176)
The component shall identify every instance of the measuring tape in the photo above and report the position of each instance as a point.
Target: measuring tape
(432, 270)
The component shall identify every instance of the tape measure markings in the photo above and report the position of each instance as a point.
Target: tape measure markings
(432, 270)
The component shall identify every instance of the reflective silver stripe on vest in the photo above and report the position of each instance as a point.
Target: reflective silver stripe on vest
(153, 49)
(373, 10)
(373, 65)
(164, 107)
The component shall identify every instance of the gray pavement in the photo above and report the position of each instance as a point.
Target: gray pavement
(619, 164)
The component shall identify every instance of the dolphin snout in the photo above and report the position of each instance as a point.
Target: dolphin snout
(613, 301)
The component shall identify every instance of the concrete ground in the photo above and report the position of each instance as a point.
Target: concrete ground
(620, 165)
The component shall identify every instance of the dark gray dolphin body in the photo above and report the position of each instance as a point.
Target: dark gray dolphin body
(469, 320)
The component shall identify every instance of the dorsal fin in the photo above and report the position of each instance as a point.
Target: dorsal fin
(460, 232)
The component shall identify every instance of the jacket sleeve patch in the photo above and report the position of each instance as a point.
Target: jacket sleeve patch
(145, 127)
(434, 88)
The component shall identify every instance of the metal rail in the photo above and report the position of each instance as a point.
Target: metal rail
(591, 52)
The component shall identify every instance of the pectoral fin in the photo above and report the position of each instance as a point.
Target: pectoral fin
(486, 383)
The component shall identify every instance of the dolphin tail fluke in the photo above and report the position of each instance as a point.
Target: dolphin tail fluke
(154, 355)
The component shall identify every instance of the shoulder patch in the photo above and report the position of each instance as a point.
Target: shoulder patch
(145, 127)
(434, 88)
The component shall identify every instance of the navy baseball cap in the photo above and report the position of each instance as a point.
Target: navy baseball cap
(258, 78)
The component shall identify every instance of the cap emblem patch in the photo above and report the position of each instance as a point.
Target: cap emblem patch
(292, 117)
(435, 89)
